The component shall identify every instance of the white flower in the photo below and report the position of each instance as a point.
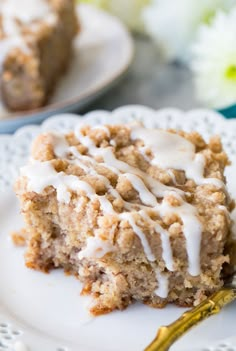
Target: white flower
(173, 23)
(214, 62)
(129, 11)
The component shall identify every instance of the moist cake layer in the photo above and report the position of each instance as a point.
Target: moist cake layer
(135, 213)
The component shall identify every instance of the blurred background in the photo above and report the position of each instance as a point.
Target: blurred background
(185, 54)
(158, 53)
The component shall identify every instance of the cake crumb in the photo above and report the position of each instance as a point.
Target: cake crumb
(19, 238)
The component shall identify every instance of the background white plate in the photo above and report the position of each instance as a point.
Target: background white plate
(103, 52)
(46, 311)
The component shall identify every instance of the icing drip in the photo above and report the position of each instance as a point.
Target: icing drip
(192, 230)
(169, 151)
(146, 247)
(95, 247)
(163, 284)
(165, 240)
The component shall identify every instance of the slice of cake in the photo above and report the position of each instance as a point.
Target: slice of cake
(35, 44)
(137, 214)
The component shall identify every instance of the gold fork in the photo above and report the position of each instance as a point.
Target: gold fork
(167, 335)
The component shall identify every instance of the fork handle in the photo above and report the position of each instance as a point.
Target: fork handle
(167, 335)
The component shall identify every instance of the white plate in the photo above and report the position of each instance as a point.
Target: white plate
(103, 52)
(46, 311)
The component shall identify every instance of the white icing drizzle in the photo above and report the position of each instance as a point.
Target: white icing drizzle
(142, 150)
(95, 247)
(88, 143)
(41, 175)
(47, 176)
(90, 160)
(163, 284)
(156, 187)
(172, 175)
(106, 205)
(110, 160)
(60, 145)
(79, 161)
(146, 247)
(145, 195)
(169, 151)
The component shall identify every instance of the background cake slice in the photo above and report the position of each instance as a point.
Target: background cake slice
(137, 214)
(36, 47)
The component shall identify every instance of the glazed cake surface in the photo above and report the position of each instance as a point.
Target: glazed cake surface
(136, 213)
(35, 49)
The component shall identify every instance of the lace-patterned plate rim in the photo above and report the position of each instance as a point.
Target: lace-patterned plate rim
(14, 152)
